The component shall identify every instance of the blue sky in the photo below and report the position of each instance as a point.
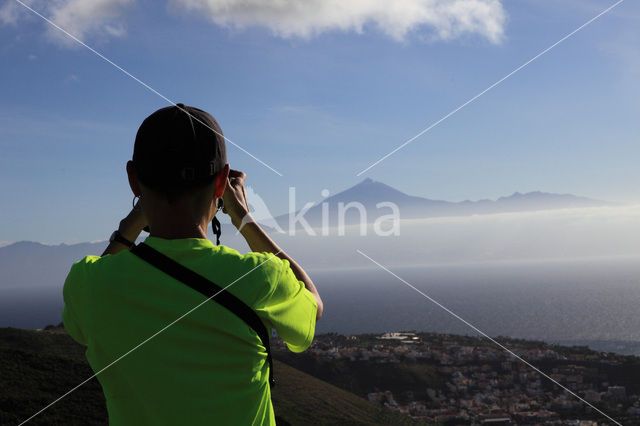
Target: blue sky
(319, 93)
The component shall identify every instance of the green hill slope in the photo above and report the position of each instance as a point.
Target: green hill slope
(36, 367)
(299, 398)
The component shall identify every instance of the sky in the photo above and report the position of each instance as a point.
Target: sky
(318, 91)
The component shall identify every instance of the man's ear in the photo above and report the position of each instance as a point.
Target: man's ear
(133, 179)
(221, 181)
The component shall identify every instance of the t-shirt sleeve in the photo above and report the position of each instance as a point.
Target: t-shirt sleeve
(291, 309)
(73, 293)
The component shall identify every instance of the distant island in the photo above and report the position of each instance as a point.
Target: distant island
(393, 378)
(369, 193)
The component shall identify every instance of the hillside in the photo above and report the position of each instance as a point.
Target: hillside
(299, 398)
(39, 366)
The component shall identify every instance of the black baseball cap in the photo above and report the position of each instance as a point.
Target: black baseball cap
(179, 146)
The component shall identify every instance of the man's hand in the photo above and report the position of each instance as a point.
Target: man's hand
(235, 198)
(130, 227)
(134, 223)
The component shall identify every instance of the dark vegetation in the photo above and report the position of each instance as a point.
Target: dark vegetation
(362, 377)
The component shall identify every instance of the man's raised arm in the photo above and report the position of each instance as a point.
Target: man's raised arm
(235, 205)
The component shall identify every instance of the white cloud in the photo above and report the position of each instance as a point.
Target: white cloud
(81, 18)
(439, 19)
(71, 78)
(538, 236)
(624, 51)
(445, 19)
(84, 17)
(9, 12)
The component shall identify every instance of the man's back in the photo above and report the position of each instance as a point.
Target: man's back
(186, 364)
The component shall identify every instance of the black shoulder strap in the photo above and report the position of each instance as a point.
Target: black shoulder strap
(209, 289)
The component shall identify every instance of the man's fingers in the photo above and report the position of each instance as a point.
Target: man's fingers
(235, 182)
(237, 175)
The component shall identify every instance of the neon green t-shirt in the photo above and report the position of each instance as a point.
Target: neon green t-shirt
(209, 367)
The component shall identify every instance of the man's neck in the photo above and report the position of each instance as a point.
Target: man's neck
(173, 229)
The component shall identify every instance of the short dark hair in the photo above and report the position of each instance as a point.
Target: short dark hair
(179, 149)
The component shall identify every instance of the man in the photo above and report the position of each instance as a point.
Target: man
(160, 358)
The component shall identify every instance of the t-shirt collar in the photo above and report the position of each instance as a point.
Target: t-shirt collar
(178, 243)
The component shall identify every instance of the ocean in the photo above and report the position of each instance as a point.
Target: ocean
(595, 302)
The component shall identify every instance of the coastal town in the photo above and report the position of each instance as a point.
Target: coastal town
(469, 380)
